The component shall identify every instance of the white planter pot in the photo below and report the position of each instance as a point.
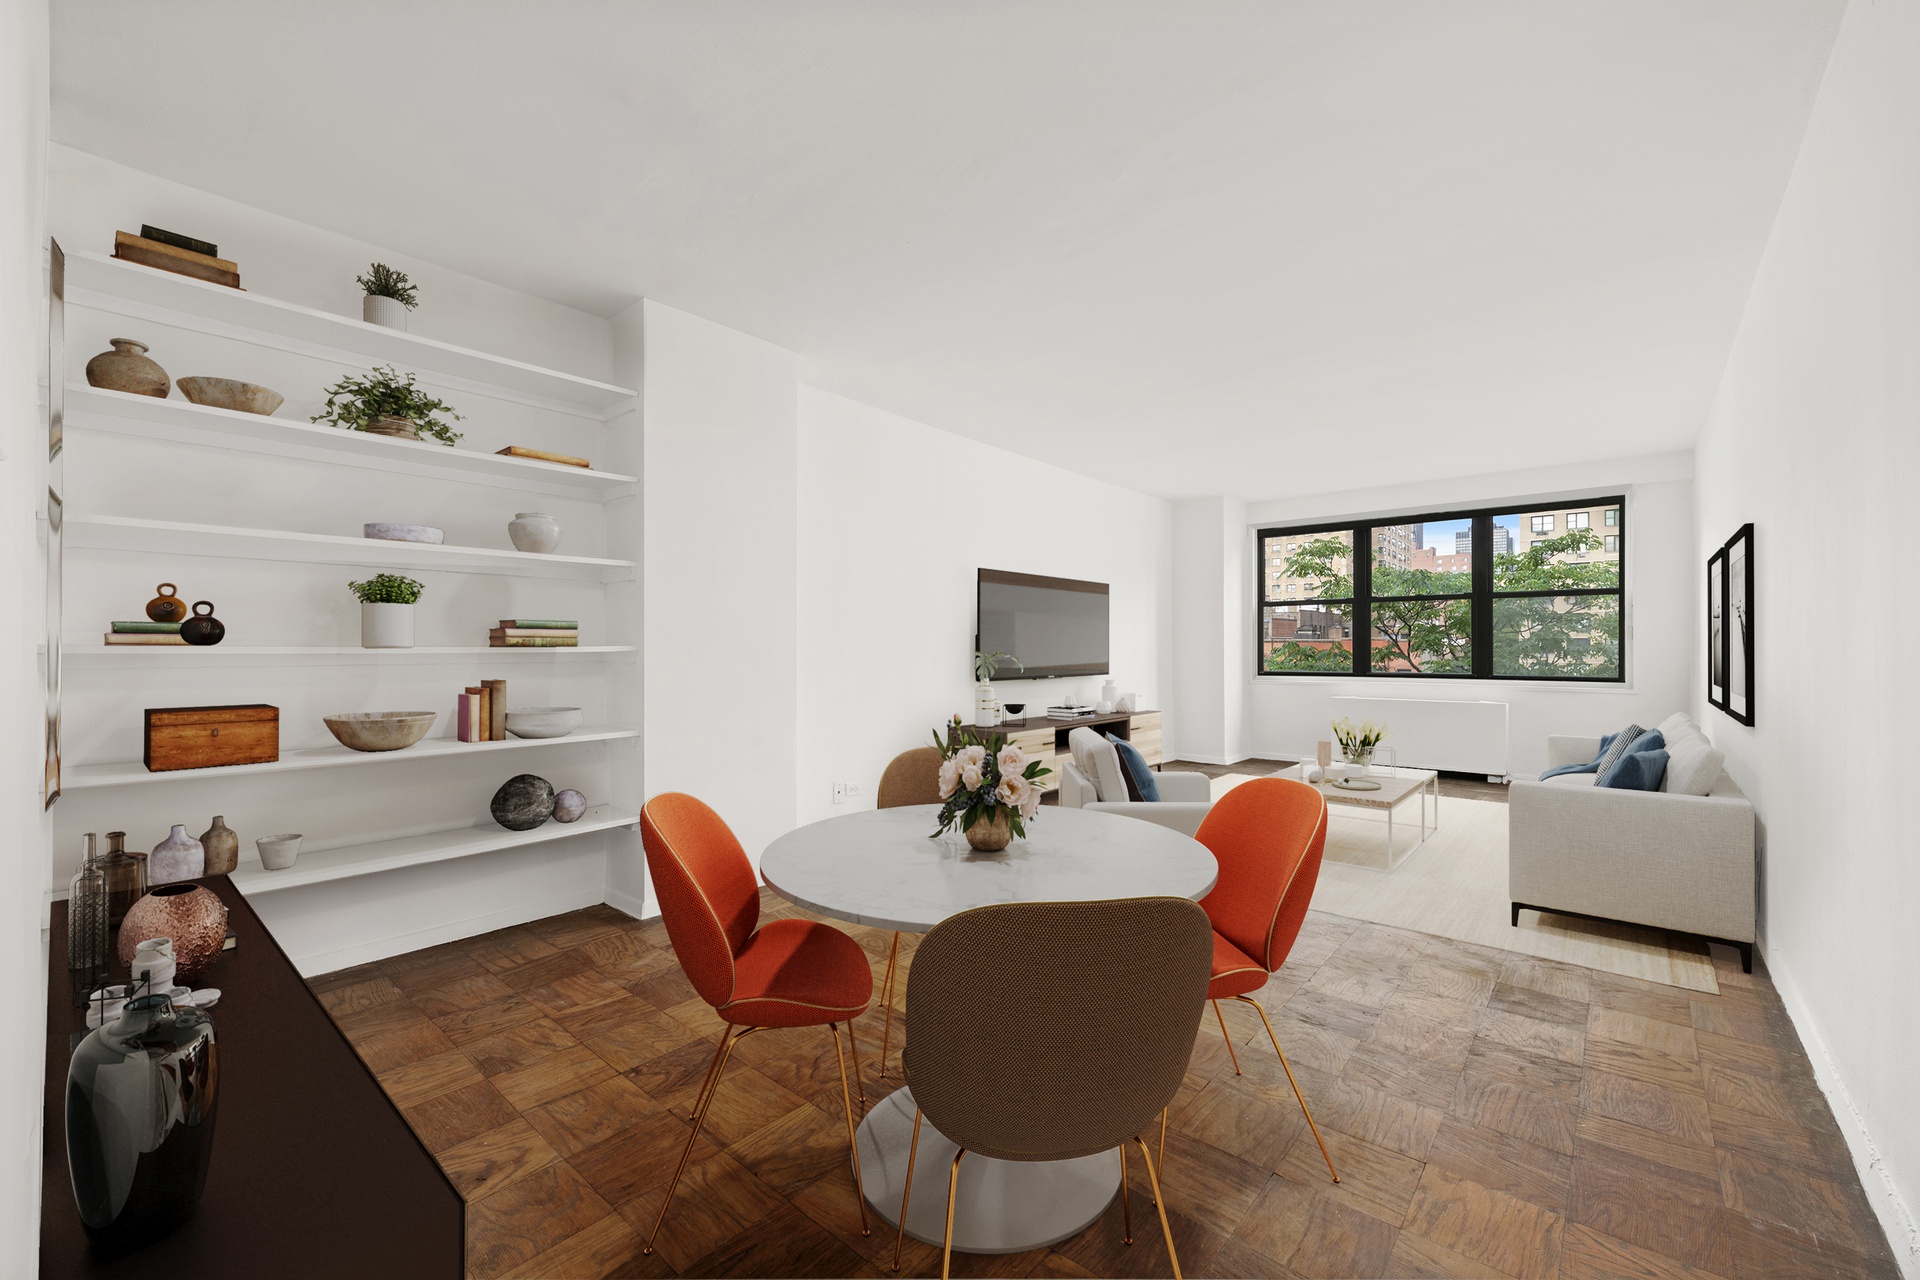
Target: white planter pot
(388, 313)
(386, 626)
(986, 705)
(534, 531)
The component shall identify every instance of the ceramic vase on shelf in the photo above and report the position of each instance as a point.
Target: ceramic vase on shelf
(386, 626)
(178, 857)
(388, 313)
(534, 531)
(222, 847)
(991, 835)
(986, 705)
(1110, 694)
(126, 368)
(203, 628)
(166, 605)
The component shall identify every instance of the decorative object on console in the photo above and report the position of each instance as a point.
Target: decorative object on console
(87, 914)
(534, 531)
(387, 404)
(1323, 754)
(543, 722)
(987, 787)
(166, 605)
(150, 962)
(380, 730)
(1730, 626)
(1068, 711)
(178, 857)
(383, 531)
(126, 875)
(386, 610)
(535, 633)
(986, 703)
(1358, 741)
(1014, 711)
(1110, 694)
(390, 295)
(204, 737)
(222, 847)
(277, 853)
(142, 1092)
(541, 455)
(229, 393)
(127, 368)
(1126, 703)
(203, 628)
(190, 916)
(568, 805)
(523, 802)
(171, 252)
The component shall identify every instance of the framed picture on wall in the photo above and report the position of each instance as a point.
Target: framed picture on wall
(1730, 626)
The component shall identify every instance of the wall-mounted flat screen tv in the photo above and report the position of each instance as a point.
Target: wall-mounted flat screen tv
(1055, 626)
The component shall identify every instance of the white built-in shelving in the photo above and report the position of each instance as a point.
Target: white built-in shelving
(319, 866)
(123, 657)
(122, 413)
(147, 293)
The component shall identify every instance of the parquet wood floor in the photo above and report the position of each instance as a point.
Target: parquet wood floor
(1492, 1114)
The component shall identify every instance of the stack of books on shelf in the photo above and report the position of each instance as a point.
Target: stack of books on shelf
(144, 632)
(1068, 712)
(183, 255)
(481, 712)
(535, 633)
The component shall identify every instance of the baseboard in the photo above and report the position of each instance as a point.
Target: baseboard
(451, 931)
(635, 907)
(1896, 1218)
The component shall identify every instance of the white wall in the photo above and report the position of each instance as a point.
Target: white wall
(1287, 716)
(895, 517)
(1815, 439)
(23, 825)
(720, 510)
(1210, 647)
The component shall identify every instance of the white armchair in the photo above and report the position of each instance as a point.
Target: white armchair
(1091, 779)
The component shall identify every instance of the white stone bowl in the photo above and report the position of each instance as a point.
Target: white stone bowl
(380, 730)
(404, 532)
(277, 853)
(543, 722)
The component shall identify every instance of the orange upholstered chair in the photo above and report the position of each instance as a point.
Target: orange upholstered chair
(1268, 835)
(785, 973)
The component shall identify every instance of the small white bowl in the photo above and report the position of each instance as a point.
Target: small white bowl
(404, 532)
(277, 853)
(543, 722)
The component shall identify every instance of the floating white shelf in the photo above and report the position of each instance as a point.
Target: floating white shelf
(169, 537)
(121, 656)
(81, 777)
(147, 293)
(388, 855)
(95, 409)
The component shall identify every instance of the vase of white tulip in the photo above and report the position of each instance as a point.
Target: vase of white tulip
(1357, 743)
(989, 790)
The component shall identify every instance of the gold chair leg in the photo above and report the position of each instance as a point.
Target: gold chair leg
(853, 1143)
(1126, 1200)
(708, 1088)
(1295, 1083)
(906, 1192)
(859, 1081)
(1163, 1144)
(946, 1244)
(1160, 1201)
(1228, 1038)
(886, 998)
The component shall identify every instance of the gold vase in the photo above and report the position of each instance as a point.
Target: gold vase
(991, 835)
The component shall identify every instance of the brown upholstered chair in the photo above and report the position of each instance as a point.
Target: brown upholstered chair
(913, 777)
(1090, 1007)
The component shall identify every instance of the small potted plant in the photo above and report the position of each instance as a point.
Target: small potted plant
(988, 788)
(390, 295)
(386, 610)
(387, 404)
(986, 704)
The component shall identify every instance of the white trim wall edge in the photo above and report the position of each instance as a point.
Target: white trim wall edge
(400, 944)
(1876, 1179)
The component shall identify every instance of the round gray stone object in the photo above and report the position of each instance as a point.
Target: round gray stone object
(568, 806)
(523, 802)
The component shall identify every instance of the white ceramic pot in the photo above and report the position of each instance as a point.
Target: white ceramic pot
(277, 853)
(386, 626)
(534, 531)
(388, 313)
(986, 705)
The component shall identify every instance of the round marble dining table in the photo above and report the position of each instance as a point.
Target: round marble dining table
(879, 868)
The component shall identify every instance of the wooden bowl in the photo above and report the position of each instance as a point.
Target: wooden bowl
(225, 393)
(380, 730)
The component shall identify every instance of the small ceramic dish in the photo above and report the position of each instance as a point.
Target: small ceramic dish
(403, 532)
(543, 722)
(226, 393)
(277, 853)
(380, 730)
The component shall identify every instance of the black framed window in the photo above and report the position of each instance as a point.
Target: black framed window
(1492, 593)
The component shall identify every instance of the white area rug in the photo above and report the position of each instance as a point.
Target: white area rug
(1456, 887)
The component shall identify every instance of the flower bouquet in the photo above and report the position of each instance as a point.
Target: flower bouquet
(988, 788)
(1357, 741)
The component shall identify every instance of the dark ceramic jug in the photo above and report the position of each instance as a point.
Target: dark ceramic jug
(141, 1093)
(203, 628)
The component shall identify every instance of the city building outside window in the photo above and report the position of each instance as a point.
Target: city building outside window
(1543, 524)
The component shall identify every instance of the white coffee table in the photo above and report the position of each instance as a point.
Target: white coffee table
(1397, 787)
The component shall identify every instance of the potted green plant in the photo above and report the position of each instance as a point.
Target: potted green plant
(387, 404)
(390, 295)
(386, 610)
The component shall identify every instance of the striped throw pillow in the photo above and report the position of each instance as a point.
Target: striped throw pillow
(1618, 747)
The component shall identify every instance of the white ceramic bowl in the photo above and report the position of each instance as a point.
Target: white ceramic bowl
(404, 532)
(380, 730)
(277, 853)
(543, 722)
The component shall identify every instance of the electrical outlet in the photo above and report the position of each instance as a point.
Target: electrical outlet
(839, 793)
(853, 792)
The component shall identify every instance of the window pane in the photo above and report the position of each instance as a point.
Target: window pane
(1557, 636)
(1422, 637)
(1433, 559)
(1573, 559)
(1313, 565)
(1306, 637)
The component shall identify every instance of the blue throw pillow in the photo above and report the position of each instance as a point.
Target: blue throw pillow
(1137, 768)
(1637, 771)
(1652, 740)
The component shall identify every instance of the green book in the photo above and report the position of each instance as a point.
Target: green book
(147, 628)
(533, 642)
(545, 624)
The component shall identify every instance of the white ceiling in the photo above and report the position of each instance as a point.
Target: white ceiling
(1257, 249)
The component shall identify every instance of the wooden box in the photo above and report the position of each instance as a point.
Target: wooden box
(203, 737)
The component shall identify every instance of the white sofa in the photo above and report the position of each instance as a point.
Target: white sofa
(1091, 779)
(1681, 858)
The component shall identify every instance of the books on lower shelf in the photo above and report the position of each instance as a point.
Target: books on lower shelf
(168, 255)
(144, 637)
(535, 633)
(541, 455)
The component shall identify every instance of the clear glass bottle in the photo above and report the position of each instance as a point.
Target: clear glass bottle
(126, 875)
(87, 931)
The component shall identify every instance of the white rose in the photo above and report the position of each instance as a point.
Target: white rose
(970, 774)
(1012, 761)
(1032, 803)
(1013, 792)
(974, 755)
(949, 778)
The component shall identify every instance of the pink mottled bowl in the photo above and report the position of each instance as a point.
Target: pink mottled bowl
(191, 915)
